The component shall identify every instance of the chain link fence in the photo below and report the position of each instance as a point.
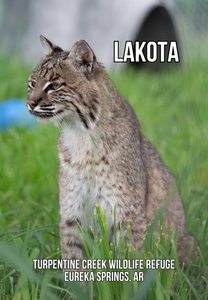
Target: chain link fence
(192, 23)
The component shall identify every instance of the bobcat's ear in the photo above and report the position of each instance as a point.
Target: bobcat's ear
(83, 56)
(48, 47)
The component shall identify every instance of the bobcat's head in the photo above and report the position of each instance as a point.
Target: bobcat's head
(64, 87)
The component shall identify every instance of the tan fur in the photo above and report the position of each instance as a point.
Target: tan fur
(128, 171)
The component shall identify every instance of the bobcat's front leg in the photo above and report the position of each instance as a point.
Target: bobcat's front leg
(71, 243)
(71, 213)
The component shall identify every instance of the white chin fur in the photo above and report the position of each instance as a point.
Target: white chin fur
(56, 119)
(45, 120)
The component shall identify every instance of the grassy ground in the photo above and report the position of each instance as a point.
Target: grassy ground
(172, 108)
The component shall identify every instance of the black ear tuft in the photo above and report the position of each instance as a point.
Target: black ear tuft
(83, 56)
(48, 47)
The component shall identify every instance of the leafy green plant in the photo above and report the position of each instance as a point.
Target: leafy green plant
(19, 280)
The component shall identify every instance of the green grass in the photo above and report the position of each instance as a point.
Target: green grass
(172, 108)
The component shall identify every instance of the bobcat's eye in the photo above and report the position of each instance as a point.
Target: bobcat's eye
(32, 84)
(55, 85)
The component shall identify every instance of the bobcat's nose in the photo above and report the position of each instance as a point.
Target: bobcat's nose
(31, 103)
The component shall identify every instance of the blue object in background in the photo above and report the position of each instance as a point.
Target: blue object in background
(14, 112)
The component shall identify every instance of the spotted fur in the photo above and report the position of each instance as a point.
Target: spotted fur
(72, 88)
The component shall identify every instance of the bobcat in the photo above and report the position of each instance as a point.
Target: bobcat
(73, 88)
